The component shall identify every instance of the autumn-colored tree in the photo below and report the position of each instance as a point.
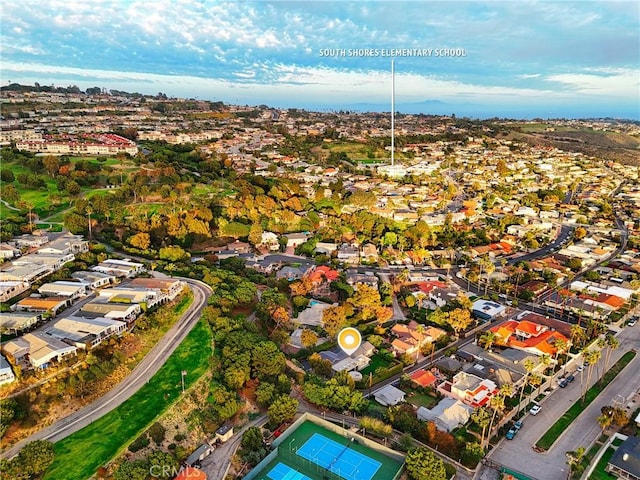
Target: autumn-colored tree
(51, 164)
(308, 338)
(140, 240)
(301, 287)
(384, 314)
(459, 319)
(366, 301)
(255, 234)
(334, 319)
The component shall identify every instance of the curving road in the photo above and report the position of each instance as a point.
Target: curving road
(133, 382)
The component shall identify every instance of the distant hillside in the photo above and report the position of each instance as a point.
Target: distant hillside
(606, 145)
(36, 87)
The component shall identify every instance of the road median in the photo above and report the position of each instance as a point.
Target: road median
(562, 424)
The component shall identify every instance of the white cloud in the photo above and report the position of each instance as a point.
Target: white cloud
(610, 82)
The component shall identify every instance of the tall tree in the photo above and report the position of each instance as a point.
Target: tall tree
(481, 417)
(282, 409)
(422, 464)
(35, 457)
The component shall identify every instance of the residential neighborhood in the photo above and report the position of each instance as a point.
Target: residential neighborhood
(494, 281)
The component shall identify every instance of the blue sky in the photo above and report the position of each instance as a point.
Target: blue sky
(524, 58)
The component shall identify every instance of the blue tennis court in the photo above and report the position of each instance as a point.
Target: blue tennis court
(338, 458)
(284, 472)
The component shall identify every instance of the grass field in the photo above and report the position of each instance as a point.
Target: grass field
(79, 455)
(287, 455)
(577, 408)
(598, 472)
(422, 400)
(377, 361)
(40, 198)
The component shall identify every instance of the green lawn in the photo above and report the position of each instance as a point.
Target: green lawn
(377, 361)
(421, 400)
(577, 408)
(79, 455)
(598, 472)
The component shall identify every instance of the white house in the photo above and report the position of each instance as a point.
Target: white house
(6, 373)
(94, 279)
(270, 240)
(119, 268)
(351, 363)
(389, 396)
(85, 332)
(61, 288)
(37, 350)
(11, 289)
(447, 415)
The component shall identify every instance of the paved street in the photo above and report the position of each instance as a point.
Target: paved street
(134, 381)
(518, 453)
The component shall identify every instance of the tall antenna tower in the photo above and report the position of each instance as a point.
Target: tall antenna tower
(393, 111)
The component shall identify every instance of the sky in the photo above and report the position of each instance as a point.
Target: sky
(519, 59)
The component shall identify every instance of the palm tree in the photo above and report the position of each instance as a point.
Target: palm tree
(419, 331)
(574, 459)
(592, 357)
(546, 361)
(497, 403)
(604, 421)
(578, 335)
(536, 381)
(601, 344)
(89, 211)
(420, 297)
(481, 417)
(612, 344)
(490, 268)
(487, 339)
(561, 347)
(529, 365)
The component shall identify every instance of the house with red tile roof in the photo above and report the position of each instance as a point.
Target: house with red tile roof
(607, 301)
(529, 336)
(323, 273)
(423, 378)
(534, 286)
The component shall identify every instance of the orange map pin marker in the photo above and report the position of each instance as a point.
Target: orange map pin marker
(349, 340)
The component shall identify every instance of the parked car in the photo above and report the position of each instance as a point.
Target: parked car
(518, 425)
(632, 322)
(535, 409)
(580, 368)
(570, 378)
(562, 384)
(511, 433)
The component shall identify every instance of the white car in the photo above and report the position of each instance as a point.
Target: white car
(535, 409)
(580, 368)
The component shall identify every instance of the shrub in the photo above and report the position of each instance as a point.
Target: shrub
(139, 443)
(156, 432)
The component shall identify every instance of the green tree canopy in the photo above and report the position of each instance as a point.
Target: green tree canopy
(422, 464)
(35, 457)
(282, 409)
